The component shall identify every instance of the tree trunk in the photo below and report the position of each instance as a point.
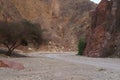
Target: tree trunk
(9, 53)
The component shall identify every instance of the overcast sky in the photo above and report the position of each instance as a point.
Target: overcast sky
(96, 1)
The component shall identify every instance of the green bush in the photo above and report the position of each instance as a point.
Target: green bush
(81, 46)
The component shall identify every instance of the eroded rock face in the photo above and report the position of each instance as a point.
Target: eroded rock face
(99, 35)
(64, 20)
(11, 64)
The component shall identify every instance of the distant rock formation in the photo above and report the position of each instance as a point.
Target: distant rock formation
(101, 38)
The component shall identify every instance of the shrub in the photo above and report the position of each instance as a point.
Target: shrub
(81, 46)
(13, 35)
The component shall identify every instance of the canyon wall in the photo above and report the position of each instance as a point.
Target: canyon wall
(104, 33)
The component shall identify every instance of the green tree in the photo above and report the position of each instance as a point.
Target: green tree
(13, 35)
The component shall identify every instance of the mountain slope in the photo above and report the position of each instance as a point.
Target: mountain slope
(64, 20)
(8, 11)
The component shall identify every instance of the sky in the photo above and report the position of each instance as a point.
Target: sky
(96, 1)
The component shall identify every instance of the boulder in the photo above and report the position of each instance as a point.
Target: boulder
(2, 64)
(11, 64)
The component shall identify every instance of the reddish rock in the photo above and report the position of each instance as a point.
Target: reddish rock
(2, 64)
(11, 64)
(99, 33)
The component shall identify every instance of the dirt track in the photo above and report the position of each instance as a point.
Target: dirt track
(63, 67)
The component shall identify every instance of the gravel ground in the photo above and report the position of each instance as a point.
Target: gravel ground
(63, 67)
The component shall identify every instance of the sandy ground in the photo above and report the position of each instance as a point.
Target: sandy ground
(63, 67)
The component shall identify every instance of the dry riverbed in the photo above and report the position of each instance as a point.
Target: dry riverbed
(63, 67)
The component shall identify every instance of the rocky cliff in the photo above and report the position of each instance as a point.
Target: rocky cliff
(64, 21)
(116, 35)
(104, 33)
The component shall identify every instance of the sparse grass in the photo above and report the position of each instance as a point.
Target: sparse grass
(101, 69)
(2, 55)
(14, 54)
